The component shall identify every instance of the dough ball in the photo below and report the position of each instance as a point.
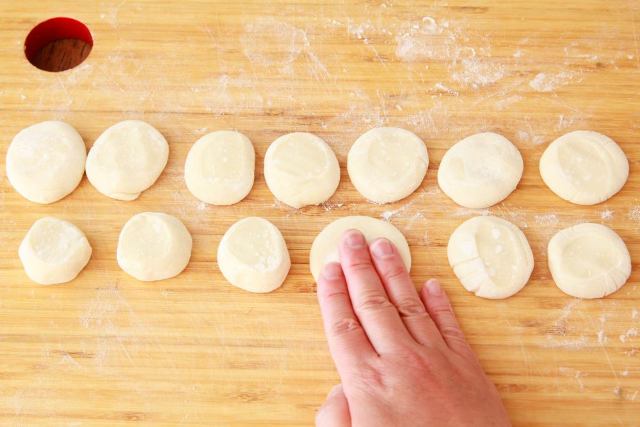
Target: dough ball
(490, 256)
(325, 245)
(219, 168)
(45, 161)
(481, 170)
(54, 251)
(253, 255)
(127, 159)
(588, 260)
(153, 246)
(301, 169)
(387, 164)
(584, 167)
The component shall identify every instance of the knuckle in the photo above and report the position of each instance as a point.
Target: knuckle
(359, 264)
(344, 326)
(373, 301)
(370, 379)
(335, 294)
(452, 331)
(411, 307)
(395, 272)
(441, 311)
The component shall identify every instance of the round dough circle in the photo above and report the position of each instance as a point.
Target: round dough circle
(584, 167)
(480, 170)
(301, 169)
(490, 256)
(219, 168)
(45, 161)
(325, 246)
(54, 251)
(153, 246)
(127, 159)
(588, 260)
(253, 255)
(387, 164)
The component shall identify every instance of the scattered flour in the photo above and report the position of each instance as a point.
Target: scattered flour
(468, 55)
(602, 336)
(634, 213)
(575, 374)
(469, 212)
(544, 82)
(606, 215)
(631, 332)
(529, 136)
(546, 219)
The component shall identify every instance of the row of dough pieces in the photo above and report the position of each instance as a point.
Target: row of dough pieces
(46, 161)
(490, 256)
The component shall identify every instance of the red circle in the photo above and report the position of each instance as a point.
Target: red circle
(52, 30)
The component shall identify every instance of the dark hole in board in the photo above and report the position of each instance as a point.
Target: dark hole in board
(58, 44)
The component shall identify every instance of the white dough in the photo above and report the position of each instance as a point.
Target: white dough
(45, 161)
(153, 246)
(253, 255)
(54, 251)
(480, 170)
(490, 256)
(301, 169)
(588, 260)
(387, 164)
(325, 246)
(220, 167)
(127, 159)
(584, 167)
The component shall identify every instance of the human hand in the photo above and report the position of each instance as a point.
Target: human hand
(402, 358)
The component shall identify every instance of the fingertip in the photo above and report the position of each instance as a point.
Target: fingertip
(433, 288)
(335, 390)
(382, 248)
(353, 239)
(332, 271)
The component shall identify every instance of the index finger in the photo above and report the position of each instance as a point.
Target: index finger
(378, 316)
(348, 343)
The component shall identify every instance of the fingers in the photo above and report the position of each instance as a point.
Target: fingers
(402, 293)
(348, 342)
(440, 310)
(335, 410)
(378, 316)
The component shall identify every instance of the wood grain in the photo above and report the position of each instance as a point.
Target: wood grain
(108, 350)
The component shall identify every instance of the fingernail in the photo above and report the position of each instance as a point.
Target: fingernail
(433, 287)
(332, 271)
(382, 248)
(334, 390)
(355, 239)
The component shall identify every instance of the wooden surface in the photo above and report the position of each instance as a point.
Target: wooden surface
(108, 350)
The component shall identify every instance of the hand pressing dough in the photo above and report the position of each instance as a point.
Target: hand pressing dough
(253, 255)
(219, 168)
(154, 246)
(301, 169)
(127, 159)
(45, 161)
(588, 260)
(480, 170)
(54, 251)
(584, 167)
(490, 256)
(325, 245)
(387, 164)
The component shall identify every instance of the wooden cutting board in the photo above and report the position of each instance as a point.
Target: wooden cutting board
(108, 350)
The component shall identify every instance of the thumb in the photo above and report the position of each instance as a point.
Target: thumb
(335, 411)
